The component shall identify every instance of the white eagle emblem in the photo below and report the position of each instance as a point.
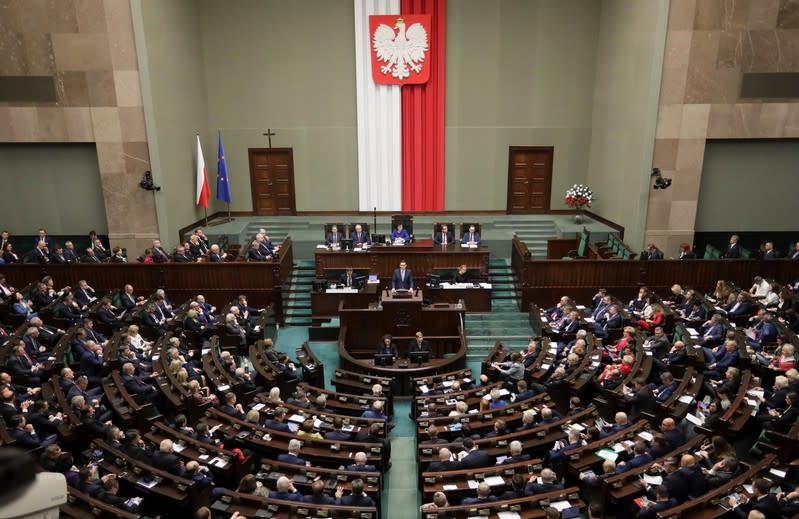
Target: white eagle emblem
(402, 50)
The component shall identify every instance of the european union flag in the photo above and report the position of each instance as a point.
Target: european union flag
(222, 185)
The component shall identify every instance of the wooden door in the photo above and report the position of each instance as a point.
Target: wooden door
(272, 181)
(529, 179)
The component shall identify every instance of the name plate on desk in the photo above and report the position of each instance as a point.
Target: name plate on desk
(346, 290)
(464, 285)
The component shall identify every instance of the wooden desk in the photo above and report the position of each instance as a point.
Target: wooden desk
(475, 299)
(422, 257)
(325, 305)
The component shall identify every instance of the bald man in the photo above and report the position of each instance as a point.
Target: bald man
(444, 462)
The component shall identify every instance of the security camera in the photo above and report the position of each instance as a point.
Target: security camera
(147, 182)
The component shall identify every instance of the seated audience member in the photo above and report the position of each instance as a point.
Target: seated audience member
(387, 347)
(474, 457)
(357, 496)
(445, 462)
(285, 490)
(165, 459)
(443, 237)
(483, 495)
(334, 237)
(361, 464)
(439, 501)
(548, 483)
(471, 236)
(399, 234)
(360, 238)
(317, 495)
(662, 502)
(513, 370)
(231, 407)
(293, 454)
(762, 501)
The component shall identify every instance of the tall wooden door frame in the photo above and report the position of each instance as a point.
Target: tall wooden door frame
(511, 150)
(291, 191)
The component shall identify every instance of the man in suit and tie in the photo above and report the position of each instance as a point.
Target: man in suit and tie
(444, 462)
(42, 236)
(337, 434)
(360, 464)
(215, 256)
(5, 238)
(69, 252)
(348, 279)
(100, 251)
(41, 254)
(359, 237)
(762, 500)
(641, 398)
(609, 321)
(734, 250)
(653, 253)
(84, 295)
(402, 277)
(769, 251)
(739, 308)
(90, 257)
(795, 254)
(58, 256)
(419, 343)
(475, 458)
(548, 483)
(471, 236)
(334, 237)
(159, 254)
(443, 237)
(254, 253)
(722, 360)
(180, 255)
(293, 454)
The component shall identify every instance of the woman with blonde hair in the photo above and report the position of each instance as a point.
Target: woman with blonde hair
(461, 409)
(182, 377)
(274, 395)
(654, 320)
(136, 340)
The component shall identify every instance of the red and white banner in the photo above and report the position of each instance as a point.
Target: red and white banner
(203, 190)
(400, 77)
(400, 49)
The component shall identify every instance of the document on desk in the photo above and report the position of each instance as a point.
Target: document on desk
(450, 487)
(653, 480)
(472, 484)
(494, 481)
(508, 515)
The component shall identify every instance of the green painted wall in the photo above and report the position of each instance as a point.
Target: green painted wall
(289, 66)
(629, 62)
(728, 197)
(519, 73)
(61, 190)
(173, 88)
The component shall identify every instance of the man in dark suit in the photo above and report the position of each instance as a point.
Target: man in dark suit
(69, 252)
(91, 363)
(662, 502)
(293, 454)
(738, 308)
(770, 252)
(100, 251)
(84, 294)
(725, 358)
(419, 344)
(795, 254)
(475, 458)
(135, 384)
(356, 498)
(159, 254)
(471, 236)
(181, 256)
(359, 237)
(231, 408)
(658, 344)
(515, 453)
(483, 495)
(402, 277)
(334, 237)
(215, 254)
(548, 483)
(762, 501)
(337, 434)
(42, 236)
(641, 399)
(41, 254)
(608, 321)
(734, 250)
(68, 309)
(667, 387)
(653, 253)
(640, 457)
(443, 237)
(444, 462)
(165, 459)
(684, 482)
(277, 422)
(348, 279)
(360, 464)
(254, 253)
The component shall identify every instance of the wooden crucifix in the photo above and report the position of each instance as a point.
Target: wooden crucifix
(269, 134)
